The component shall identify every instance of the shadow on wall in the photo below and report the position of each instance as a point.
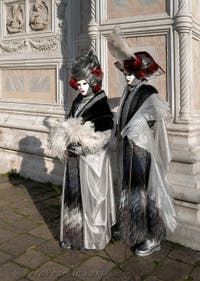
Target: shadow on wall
(32, 145)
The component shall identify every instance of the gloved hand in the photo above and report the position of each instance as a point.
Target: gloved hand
(77, 149)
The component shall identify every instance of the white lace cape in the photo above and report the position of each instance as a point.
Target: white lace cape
(154, 141)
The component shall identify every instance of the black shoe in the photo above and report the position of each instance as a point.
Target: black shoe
(147, 248)
(65, 245)
(116, 235)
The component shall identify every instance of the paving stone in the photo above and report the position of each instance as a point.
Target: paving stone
(49, 214)
(10, 216)
(11, 195)
(49, 271)
(118, 275)
(186, 255)
(32, 259)
(37, 212)
(6, 207)
(139, 265)
(196, 274)
(42, 231)
(153, 278)
(11, 272)
(117, 251)
(172, 270)
(92, 252)
(51, 248)
(24, 225)
(166, 248)
(20, 244)
(25, 203)
(6, 235)
(42, 196)
(3, 203)
(3, 179)
(54, 201)
(95, 268)
(29, 210)
(4, 257)
(54, 227)
(35, 187)
(68, 277)
(5, 184)
(71, 258)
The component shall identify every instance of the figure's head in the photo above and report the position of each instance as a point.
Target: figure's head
(87, 68)
(129, 78)
(83, 87)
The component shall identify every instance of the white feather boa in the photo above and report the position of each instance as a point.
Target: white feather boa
(70, 131)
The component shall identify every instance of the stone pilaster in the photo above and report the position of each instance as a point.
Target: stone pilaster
(183, 25)
(184, 175)
(93, 26)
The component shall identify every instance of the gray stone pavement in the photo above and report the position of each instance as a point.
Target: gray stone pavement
(29, 248)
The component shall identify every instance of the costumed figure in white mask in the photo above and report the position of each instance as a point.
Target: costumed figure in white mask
(145, 210)
(87, 208)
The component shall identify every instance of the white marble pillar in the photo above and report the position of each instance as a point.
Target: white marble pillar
(93, 26)
(183, 25)
(184, 174)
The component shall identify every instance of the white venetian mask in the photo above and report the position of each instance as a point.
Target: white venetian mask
(129, 78)
(83, 87)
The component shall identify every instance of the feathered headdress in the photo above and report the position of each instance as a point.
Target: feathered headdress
(141, 64)
(87, 67)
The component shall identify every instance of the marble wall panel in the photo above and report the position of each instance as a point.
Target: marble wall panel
(196, 66)
(196, 10)
(156, 46)
(34, 85)
(129, 8)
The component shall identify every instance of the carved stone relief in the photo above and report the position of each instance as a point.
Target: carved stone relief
(39, 45)
(12, 47)
(39, 15)
(15, 18)
(42, 45)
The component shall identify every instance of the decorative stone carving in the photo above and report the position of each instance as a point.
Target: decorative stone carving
(15, 19)
(93, 27)
(183, 25)
(45, 44)
(39, 15)
(12, 47)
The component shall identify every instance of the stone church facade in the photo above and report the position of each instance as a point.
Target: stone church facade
(38, 41)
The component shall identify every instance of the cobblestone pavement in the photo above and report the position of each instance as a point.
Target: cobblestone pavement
(29, 248)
